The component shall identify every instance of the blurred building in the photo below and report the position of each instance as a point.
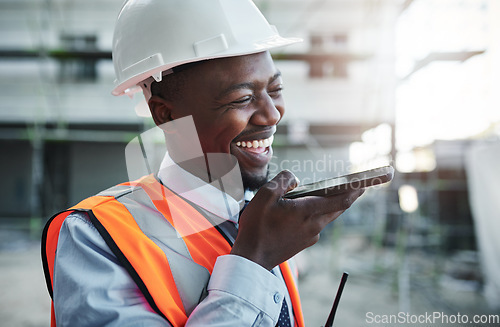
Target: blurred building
(374, 82)
(412, 83)
(63, 134)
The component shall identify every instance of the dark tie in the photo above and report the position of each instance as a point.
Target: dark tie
(284, 320)
(244, 206)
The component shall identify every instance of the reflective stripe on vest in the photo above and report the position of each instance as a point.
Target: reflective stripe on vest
(136, 220)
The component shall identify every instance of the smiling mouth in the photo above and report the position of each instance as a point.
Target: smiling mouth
(256, 146)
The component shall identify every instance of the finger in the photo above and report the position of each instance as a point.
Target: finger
(322, 205)
(283, 182)
(324, 220)
(315, 225)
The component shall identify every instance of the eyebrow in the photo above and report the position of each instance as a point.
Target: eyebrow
(246, 85)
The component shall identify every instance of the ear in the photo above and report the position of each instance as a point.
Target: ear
(161, 110)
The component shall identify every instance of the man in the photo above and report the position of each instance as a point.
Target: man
(143, 253)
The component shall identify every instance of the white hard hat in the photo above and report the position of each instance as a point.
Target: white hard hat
(153, 36)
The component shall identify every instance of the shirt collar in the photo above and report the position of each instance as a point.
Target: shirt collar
(201, 193)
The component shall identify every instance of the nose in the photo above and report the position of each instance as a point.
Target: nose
(269, 111)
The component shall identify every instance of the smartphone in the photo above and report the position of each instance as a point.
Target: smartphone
(344, 183)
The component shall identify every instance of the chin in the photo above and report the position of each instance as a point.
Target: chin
(254, 181)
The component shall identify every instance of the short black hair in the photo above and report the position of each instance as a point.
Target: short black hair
(171, 85)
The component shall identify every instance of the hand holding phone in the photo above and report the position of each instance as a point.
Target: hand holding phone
(285, 226)
(344, 183)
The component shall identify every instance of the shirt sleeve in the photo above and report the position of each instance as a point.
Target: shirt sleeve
(240, 293)
(91, 288)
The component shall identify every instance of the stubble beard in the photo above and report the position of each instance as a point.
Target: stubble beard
(253, 182)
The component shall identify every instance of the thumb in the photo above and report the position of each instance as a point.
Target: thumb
(282, 183)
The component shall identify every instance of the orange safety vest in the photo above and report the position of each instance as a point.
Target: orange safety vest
(119, 215)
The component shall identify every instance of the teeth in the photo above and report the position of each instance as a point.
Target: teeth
(264, 143)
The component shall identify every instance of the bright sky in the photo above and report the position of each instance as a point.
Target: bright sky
(446, 99)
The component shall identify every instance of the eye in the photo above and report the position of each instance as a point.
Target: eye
(276, 91)
(242, 100)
